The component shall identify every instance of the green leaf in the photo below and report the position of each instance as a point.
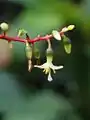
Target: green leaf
(56, 35)
(67, 44)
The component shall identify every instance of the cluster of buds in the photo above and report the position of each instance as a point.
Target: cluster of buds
(31, 51)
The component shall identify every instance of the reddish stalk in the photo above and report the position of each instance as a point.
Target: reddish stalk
(18, 39)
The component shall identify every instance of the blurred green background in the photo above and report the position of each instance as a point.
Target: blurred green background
(29, 96)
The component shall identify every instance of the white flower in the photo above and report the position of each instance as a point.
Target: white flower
(48, 66)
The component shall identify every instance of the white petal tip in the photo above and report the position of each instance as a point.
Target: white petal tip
(57, 67)
(62, 66)
(39, 66)
(49, 77)
(50, 80)
(35, 65)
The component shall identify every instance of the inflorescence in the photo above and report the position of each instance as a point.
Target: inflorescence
(29, 46)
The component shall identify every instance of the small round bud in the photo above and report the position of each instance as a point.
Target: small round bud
(64, 29)
(71, 27)
(56, 35)
(4, 26)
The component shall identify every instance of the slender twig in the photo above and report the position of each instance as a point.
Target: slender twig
(18, 39)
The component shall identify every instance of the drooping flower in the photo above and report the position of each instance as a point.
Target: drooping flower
(48, 65)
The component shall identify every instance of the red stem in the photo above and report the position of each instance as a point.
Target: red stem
(17, 39)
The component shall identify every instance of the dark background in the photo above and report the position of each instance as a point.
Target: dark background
(27, 96)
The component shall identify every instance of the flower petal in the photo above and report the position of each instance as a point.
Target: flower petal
(56, 67)
(49, 77)
(39, 66)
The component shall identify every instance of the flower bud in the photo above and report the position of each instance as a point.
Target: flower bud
(71, 27)
(4, 26)
(67, 44)
(21, 32)
(36, 53)
(28, 50)
(56, 35)
(64, 29)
